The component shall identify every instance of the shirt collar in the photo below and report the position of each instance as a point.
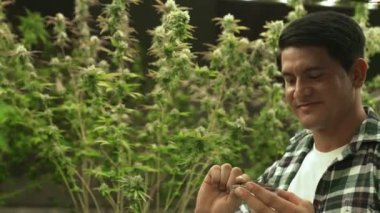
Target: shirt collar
(369, 130)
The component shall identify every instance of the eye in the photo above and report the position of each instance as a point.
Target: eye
(314, 74)
(289, 79)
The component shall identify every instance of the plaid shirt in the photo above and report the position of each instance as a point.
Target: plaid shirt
(351, 183)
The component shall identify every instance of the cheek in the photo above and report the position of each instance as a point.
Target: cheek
(288, 95)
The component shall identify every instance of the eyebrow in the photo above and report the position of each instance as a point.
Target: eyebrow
(288, 73)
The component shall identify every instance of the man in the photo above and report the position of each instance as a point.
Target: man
(334, 164)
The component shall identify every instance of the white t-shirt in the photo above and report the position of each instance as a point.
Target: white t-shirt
(312, 168)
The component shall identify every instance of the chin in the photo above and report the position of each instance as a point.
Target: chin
(311, 125)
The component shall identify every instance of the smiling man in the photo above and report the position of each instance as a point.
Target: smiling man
(333, 165)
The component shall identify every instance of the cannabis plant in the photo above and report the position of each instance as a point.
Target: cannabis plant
(72, 101)
(372, 34)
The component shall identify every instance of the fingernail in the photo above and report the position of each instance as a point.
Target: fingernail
(238, 190)
(242, 177)
(249, 185)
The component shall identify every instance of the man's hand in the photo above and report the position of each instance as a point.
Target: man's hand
(261, 200)
(215, 194)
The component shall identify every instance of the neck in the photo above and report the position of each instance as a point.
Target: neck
(341, 134)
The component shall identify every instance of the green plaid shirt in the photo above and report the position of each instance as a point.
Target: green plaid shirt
(351, 183)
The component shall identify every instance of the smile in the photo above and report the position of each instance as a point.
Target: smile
(307, 104)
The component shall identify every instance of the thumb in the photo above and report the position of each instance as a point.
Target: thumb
(241, 179)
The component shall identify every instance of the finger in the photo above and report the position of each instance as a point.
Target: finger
(244, 178)
(225, 175)
(213, 176)
(291, 197)
(255, 204)
(268, 198)
(235, 173)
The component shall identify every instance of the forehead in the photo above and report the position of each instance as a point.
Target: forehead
(296, 58)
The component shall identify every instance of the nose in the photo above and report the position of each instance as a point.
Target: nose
(302, 89)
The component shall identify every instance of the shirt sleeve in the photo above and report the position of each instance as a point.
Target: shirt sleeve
(264, 178)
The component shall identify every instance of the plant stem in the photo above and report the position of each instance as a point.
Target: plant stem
(89, 192)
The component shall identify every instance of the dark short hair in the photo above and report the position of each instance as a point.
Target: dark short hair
(342, 37)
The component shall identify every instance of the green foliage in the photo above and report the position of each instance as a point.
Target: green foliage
(79, 109)
(372, 92)
(33, 29)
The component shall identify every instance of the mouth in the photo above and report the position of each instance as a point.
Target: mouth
(308, 104)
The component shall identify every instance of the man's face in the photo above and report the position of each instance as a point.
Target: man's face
(317, 88)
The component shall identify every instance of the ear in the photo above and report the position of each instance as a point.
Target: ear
(359, 72)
